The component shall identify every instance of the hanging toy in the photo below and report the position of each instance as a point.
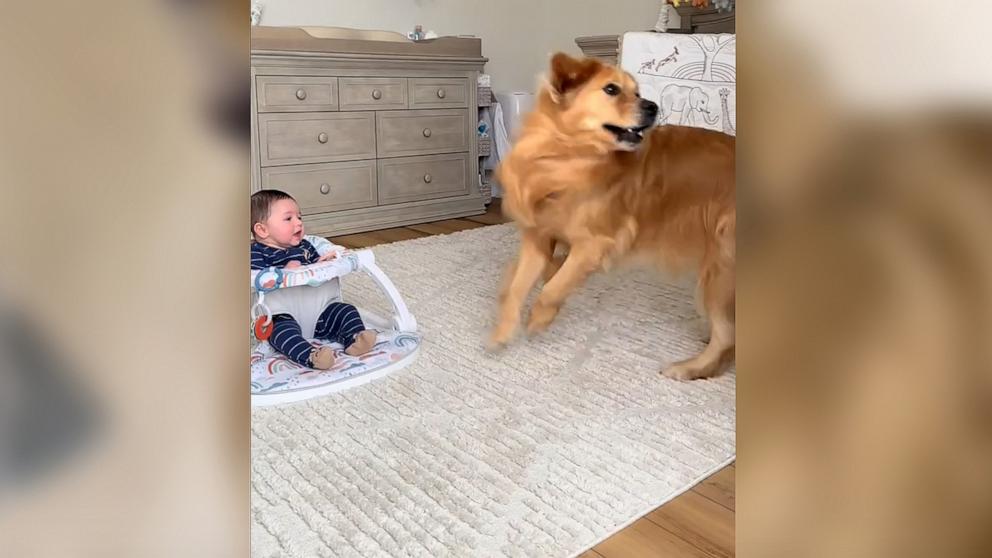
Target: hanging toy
(263, 327)
(266, 281)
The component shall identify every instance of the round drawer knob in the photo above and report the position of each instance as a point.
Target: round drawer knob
(427, 132)
(322, 137)
(428, 178)
(441, 93)
(376, 94)
(325, 189)
(301, 94)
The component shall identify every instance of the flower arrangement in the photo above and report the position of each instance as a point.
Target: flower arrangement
(256, 13)
(721, 5)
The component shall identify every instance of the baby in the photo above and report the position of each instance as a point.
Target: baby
(278, 232)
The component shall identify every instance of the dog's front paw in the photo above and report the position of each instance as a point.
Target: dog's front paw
(683, 371)
(500, 336)
(541, 316)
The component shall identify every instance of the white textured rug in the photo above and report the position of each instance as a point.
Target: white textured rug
(541, 450)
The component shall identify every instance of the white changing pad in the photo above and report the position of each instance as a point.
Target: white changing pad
(276, 379)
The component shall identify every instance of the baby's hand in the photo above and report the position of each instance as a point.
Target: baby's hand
(292, 265)
(328, 256)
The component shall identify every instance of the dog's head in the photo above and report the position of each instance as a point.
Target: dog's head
(598, 101)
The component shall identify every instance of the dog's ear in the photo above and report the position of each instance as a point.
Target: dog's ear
(567, 73)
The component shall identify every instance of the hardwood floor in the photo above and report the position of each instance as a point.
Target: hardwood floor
(363, 240)
(696, 524)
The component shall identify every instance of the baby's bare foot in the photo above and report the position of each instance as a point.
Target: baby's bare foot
(364, 342)
(322, 358)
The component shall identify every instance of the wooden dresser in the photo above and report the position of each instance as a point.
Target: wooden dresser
(364, 133)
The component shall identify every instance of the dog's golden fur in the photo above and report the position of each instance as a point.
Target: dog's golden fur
(669, 201)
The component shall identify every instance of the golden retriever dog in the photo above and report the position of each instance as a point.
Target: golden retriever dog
(588, 170)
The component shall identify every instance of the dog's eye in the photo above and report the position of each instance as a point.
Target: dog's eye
(612, 89)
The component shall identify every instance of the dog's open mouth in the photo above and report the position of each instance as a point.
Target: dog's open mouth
(627, 135)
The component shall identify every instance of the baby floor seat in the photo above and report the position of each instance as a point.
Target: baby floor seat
(303, 293)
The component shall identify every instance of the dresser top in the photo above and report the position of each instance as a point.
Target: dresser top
(359, 41)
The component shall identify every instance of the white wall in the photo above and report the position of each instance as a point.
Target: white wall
(518, 36)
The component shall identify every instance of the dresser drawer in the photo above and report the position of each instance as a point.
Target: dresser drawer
(326, 187)
(373, 93)
(421, 132)
(295, 94)
(438, 93)
(423, 178)
(315, 137)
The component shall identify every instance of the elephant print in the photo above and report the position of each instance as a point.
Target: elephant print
(687, 101)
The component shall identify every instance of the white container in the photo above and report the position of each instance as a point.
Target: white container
(507, 119)
(514, 107)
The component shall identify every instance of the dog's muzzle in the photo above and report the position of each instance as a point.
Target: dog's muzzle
(635, 134)
(626, 135)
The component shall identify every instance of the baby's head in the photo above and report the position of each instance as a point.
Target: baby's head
(275, 219)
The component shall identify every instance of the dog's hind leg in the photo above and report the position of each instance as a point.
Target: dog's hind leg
(535, 254)
(718, 287)
(717, 283)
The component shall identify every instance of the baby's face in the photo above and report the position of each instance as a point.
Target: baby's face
(284, 227)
